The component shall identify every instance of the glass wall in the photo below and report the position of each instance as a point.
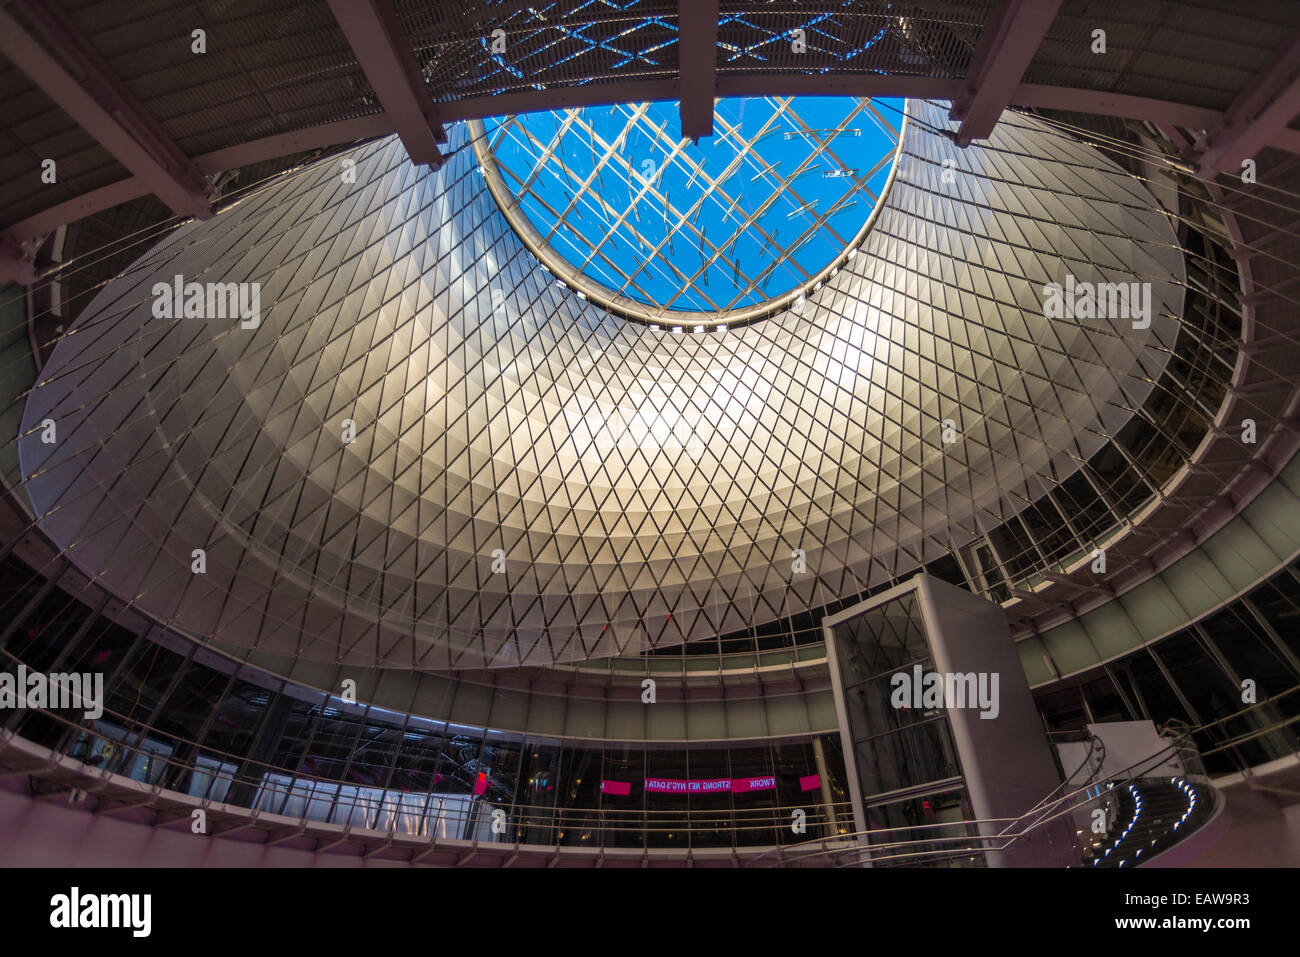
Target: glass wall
(196, 722)
(895, 748)
(1234, 676)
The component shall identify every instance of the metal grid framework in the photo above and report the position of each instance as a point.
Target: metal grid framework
(642, 491)
(545, 44)
(281, 76)
(271, 68)
(570, 173)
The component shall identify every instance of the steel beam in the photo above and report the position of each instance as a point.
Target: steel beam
(1006, 45)
(1259, 113)
(98, 78)
(1279, 290)
(629, 91)
(1056, 578)
(231, 157)
(697, 50)
(107, 113)
(1123, 105)
(375, 35)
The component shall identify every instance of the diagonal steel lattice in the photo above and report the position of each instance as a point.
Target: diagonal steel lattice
(643, 488)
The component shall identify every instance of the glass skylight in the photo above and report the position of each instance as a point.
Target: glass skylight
(746, 216)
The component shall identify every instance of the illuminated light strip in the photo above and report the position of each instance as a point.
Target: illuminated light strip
(1182, 786)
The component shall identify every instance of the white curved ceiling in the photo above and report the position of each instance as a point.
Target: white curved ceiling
(645, 487)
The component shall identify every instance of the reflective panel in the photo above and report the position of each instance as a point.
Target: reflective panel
(419, 451)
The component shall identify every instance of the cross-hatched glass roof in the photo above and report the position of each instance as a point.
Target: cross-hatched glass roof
(763, 207)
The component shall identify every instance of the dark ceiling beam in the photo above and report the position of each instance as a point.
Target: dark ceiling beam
(1006, 45)
(376, 37)
(1258, 114)
(338, 133)
(342, 132)
(637, 91)
(100, 105)
(827, 84)
(97, 78)
(557, 98)
(1123, 105)
(232, 157)
(697, 65)
(79, 207)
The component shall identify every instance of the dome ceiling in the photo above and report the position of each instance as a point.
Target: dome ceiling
(638, 487)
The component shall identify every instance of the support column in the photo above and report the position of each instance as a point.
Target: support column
(828, 804)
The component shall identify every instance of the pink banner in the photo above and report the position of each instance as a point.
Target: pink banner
(621, 788)
(709, 785)
(811, 783)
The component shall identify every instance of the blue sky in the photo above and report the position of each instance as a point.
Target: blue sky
(711, 225)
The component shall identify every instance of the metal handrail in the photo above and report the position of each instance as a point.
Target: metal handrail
(860, 841)
(1181, 742)
(1237, 714)
(308, 789)
(552, 820)
(644, 821)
